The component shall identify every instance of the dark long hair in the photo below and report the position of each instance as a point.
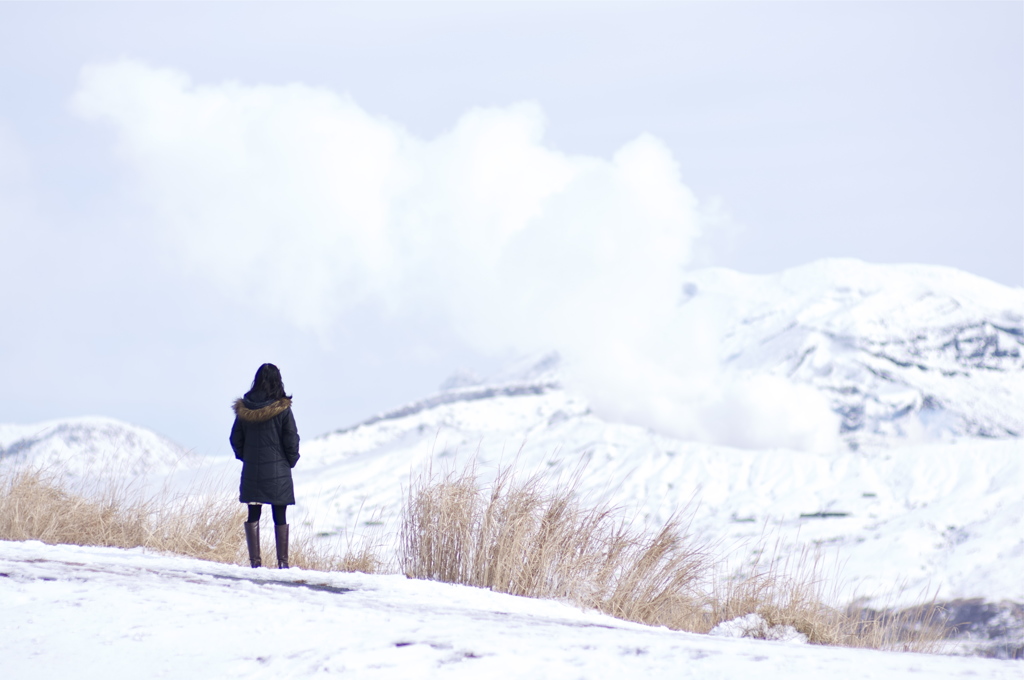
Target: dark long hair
(267, 385)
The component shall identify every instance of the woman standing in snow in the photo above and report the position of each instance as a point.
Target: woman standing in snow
(265, 439)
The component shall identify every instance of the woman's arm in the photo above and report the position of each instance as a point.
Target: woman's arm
(290, 439)
(237, 439)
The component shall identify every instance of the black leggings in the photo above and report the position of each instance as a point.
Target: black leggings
(255, 510)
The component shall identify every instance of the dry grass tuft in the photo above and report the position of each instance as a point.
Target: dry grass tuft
(801, 595)
(317, 555)
(913, 629)
(525, 538)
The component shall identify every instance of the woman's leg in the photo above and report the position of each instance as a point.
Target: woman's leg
(252, 535)
(281, 535)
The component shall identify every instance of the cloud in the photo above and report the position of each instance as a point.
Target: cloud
(296, 199)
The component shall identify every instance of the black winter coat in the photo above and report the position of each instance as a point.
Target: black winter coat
(265, 439)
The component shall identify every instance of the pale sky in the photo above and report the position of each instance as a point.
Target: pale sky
(190, 189)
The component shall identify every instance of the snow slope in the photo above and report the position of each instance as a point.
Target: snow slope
(903, 520)
(111, 614)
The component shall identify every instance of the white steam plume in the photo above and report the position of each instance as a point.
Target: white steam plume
(294, 197)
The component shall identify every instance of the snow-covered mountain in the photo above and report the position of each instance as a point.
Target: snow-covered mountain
(89, 446)
(901, 351)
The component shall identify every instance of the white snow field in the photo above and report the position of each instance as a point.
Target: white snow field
(72, 612)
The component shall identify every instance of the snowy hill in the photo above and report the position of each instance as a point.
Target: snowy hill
(922, 365)
(940, 515)
(89, 446)
(108, 613)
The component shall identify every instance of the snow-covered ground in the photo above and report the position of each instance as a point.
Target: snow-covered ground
(110, 614)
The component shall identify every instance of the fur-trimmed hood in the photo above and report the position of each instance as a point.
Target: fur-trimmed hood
(265, 411)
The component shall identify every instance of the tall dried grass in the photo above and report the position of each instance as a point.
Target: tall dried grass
(527, 538)
(44, 505)
(524, 538)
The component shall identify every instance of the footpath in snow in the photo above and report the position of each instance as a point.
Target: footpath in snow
(74, 612)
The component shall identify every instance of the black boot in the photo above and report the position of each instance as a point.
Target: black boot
(281, 534)
(252, 541)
